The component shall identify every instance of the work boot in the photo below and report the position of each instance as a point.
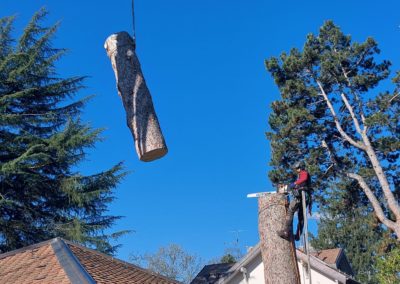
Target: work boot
(286, 231)
(284, 234)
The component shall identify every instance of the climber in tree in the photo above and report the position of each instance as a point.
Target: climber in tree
(301, 184)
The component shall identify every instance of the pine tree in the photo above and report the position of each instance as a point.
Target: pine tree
(42, 141)
(332, 116)
(348, 222)
(389, 267)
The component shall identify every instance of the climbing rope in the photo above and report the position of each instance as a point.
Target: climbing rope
(294, 258)
(305, 232)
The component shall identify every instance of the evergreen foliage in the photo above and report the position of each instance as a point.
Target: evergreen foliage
(389, 267)
(228, 258)
(42, 141)
(330, 106)
(347, 222)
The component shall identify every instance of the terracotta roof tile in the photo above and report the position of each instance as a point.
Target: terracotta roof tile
(34, 265)
(62, 262)
(328, 256)
(105, 269)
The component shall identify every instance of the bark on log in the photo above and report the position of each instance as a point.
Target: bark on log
(140, 114)
(279, 257)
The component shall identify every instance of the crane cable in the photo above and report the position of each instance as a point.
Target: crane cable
(133, 23)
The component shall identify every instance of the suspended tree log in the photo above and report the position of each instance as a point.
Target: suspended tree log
(279, 257)
(140, 114)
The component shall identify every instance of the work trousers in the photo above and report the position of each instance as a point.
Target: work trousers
(295, 205)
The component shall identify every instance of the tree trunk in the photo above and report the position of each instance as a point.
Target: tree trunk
(279, 257)
(140, 114)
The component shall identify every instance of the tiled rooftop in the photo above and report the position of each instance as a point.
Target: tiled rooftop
(105, 269)
(62, 262)
(35, 265)
(212, 273)
(328, 256)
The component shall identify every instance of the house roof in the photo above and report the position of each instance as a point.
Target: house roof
(211, 273)
(63, 262)
(329, 256)
(317, 263)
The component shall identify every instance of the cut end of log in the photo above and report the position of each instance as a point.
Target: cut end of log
(154, 155)
(114, 41)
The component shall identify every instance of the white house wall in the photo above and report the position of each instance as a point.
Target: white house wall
(316, 277)
(255, 272)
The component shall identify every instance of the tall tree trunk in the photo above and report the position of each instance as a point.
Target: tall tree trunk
(279, 255)
(140, 114)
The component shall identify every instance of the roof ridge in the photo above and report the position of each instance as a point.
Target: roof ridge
(338, 256)
(119, 260)
(74, 270)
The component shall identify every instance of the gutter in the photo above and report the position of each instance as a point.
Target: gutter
(316, 265)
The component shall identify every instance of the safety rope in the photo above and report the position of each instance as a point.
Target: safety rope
(305, 236)
(294, 257)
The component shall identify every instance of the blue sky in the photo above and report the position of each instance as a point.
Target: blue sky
(204, 64)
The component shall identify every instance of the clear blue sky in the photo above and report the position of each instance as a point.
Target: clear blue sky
(204, 64)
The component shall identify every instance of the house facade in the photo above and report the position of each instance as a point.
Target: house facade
(327, 267)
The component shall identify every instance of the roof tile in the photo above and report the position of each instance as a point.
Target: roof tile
(41, 263)
(328, 256)
(106, 269)
(37, 265)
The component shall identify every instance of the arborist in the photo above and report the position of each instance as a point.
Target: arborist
(303, 183)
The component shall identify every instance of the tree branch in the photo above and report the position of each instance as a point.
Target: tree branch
(349, 85)
(374, 201)
(353, 116)
(392, 202)
(358, 145)
(395, 96)
(331, 156)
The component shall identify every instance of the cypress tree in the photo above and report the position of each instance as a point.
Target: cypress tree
(42, 142)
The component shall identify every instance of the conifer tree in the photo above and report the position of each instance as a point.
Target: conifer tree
(348, 222)
(42, 141)
(333, 116)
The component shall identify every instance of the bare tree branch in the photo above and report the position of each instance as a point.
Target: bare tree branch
(395, 96)
(375, 203)
(353, 116)
(359, 145)
(350, 85)
(393, 204)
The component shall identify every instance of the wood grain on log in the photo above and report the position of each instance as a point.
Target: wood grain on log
(140, 114)
(279, 258)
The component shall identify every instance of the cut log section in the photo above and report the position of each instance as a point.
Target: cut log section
(278, 255)
(140, 114)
